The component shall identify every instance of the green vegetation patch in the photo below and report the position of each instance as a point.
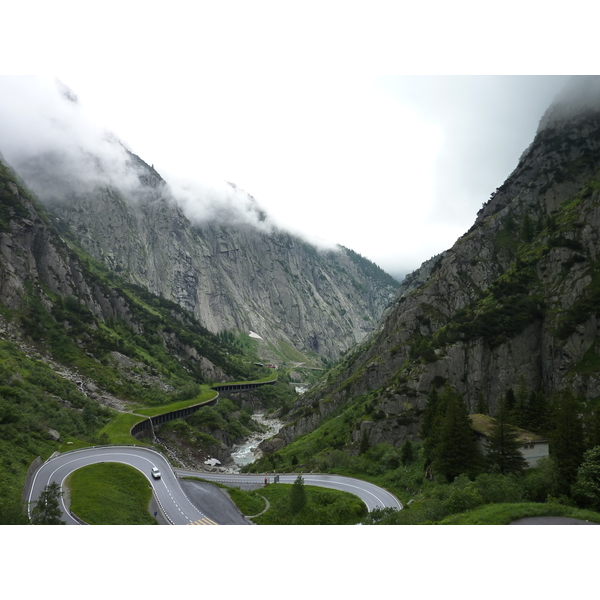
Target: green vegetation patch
(322, 507)
(250, 503)
(225, 416)
(312, 450)
(589, 364)
(34, 404)
(503, 514)
(110, 494)
(118, 431)
(291, 353)
(206, 395)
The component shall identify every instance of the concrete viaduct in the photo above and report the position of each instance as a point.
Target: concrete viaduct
(182, 413)
(240, 387)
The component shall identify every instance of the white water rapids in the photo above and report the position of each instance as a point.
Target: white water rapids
(248, 451)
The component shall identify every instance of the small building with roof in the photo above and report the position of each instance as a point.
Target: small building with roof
(533, 446)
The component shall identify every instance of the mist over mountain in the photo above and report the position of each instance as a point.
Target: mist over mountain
(61, 152)
(209, 247)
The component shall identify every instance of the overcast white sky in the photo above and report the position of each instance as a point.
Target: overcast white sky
(287, 104)
(393, 167)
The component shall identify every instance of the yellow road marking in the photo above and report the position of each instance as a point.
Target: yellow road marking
(205, 521)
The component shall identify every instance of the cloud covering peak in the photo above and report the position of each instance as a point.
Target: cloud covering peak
(58, 149)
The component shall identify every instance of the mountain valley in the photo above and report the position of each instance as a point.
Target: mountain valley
(116, 302)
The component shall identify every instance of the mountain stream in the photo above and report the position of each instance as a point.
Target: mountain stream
(248, 451)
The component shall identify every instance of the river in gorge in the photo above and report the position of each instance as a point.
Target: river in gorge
(248, 452)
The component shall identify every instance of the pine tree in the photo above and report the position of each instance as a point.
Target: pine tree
(536, 415)
(406, 453)
(518, 417)
(455, 447)
(510, 400)
(482, 404)
(47, 509)
(429, 413)
(430, 424)
(504, 449)
(566, 438)
(297, 496)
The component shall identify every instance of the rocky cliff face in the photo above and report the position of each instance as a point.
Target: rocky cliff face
(33, 257)
(44, 283)
(516, 296)
(230, 276)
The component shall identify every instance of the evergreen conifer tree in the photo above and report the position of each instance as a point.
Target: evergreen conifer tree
(482, 404)
(537, 413)
(455, 447)
(592, 428)
(406, 453)
(518, 417)
(47, 509)
(566, 438)
(297, 496)
(510, 400)
(432, 417)
(504, 449)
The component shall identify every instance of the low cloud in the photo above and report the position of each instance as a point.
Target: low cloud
(46, 135)
(581, 94)
(222, 202)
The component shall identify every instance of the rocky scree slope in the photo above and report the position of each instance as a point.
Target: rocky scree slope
(228, 275)
(517, 295)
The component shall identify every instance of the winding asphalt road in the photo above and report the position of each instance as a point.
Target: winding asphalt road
(174, 503)
(372, 495)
